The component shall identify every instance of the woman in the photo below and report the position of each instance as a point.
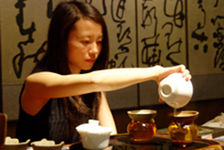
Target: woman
(67, 86)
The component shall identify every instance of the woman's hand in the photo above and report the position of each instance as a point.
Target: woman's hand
(166, 71)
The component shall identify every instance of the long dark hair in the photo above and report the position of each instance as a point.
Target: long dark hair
(65, 15)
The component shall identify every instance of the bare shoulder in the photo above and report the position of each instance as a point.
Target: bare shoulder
(42, 74)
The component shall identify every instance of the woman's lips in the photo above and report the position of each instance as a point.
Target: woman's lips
(91, 60)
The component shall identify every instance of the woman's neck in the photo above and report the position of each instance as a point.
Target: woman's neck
(74, 70)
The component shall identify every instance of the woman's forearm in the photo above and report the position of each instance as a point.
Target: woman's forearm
(114, 79)
(105, 115)
(49, 85)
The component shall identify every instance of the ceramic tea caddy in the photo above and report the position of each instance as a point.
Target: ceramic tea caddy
(142, 127)
(182, 129)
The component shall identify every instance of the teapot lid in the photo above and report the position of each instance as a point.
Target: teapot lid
(93, 127)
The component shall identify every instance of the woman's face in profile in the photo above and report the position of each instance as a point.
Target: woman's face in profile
(84, 45)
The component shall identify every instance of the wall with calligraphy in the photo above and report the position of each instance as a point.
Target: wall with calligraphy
(142, 33)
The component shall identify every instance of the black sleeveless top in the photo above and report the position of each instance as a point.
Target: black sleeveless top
(51, 122)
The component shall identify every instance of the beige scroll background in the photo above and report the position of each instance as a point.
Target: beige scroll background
(142, 33)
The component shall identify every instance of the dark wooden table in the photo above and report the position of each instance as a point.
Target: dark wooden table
(161, 141)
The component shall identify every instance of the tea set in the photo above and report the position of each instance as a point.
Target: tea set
(176, 92)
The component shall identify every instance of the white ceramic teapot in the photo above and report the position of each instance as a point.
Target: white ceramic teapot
(175, 91)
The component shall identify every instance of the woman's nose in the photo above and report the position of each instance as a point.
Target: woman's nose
(94, 48)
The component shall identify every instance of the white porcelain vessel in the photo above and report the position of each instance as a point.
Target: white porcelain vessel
(93, 136)
(175, 91)
(45, 144)
(14, 144)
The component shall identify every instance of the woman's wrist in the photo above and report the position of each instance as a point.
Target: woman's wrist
(157, 71)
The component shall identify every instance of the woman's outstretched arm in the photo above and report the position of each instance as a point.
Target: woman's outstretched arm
(40, 87)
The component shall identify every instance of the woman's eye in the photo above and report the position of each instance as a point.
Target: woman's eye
(85, 42)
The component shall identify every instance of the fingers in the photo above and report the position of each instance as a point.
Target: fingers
(166, 71)
(175, 69)
(182, 68)
(185, 72)
(187, 75)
